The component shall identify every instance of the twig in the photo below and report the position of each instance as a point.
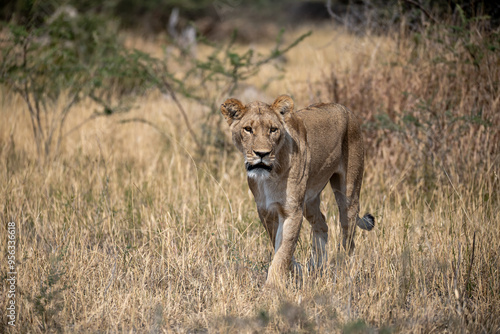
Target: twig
(32, 116)
(470, 264)
(183, 112)
(145, 121)
(171, 91)
(422, 8)
(455, 279)
(62, 119)
(110, 280)
(91, 117)
(331, 13)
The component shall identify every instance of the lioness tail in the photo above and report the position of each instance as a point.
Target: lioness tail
(366, 223)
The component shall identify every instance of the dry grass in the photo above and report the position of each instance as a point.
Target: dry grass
(131, 231)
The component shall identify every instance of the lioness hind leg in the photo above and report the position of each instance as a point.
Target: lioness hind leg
(319, 229)
(347, 197)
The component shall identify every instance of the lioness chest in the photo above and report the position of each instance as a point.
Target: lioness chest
(270, 195)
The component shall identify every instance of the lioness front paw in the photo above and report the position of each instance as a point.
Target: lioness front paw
(276, 278)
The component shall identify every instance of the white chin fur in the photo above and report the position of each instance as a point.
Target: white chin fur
(258, 173)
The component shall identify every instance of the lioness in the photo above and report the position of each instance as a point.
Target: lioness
(289, 158)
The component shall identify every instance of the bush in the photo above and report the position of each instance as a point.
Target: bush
(71, 57)
(434, 100)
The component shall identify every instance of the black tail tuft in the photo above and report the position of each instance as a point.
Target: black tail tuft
(367, 222)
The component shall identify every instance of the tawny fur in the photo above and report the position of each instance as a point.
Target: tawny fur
(290, 157)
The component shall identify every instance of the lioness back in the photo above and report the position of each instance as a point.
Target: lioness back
(330, 127)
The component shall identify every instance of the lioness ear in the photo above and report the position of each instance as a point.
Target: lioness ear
(283, 104)
(232, 110)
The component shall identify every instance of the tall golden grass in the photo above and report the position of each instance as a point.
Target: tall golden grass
(131, 231)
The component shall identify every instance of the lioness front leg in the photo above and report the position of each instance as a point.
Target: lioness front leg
(285, 243)
(270, 220)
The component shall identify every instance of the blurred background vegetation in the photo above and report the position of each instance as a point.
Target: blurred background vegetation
(107, 209)
(76, 48)
(152, 16)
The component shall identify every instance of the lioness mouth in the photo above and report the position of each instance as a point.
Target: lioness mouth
(259, 165)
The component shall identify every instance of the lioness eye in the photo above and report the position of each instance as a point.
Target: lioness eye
(248, 129)
(272, 130)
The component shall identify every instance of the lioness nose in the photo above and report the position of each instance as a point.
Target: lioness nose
(261, 154)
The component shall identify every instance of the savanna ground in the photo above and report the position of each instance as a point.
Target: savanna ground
(134, 230)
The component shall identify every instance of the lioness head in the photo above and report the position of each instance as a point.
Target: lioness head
(258, 131)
